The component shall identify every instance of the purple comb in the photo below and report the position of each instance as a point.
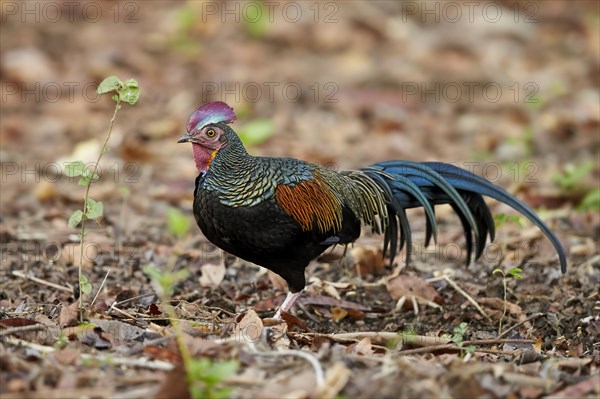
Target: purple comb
(208, 113)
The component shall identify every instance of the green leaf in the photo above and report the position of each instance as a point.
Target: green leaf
(256, 131)
(130, 93)
(499, 220)
(516, 272)
(502, 218)
(95, 209)
(165, 280)
(88, 173)
(84, 181)
(220, 371)
(573, 174)
(115, 98)
(75, 218)
(111, 83)
(177, 222)
(205, 376)
(75, 168)
(152, 271)
(591, 201)
(458, 333)
(85, 285)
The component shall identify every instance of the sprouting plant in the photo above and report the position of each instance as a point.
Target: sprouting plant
(177, 222)
(501, 219)
(127, 92)
(204, 376)
(571, 176)
(571, 179)
(62, 341)
(591, 201)
(458, 337)
(407, 336)
(513, 272)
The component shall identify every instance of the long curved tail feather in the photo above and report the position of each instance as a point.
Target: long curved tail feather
(410, 184)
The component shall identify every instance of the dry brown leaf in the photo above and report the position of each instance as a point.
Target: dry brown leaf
(538, 345)
(212, 275)
(363, 347)
(498, 304)
(16, 322)
(250, 328)
(68, 314)
(338, 313)
(368, 260)
(405, 285)
(161, 353)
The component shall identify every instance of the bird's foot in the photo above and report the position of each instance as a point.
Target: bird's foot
(289, 302)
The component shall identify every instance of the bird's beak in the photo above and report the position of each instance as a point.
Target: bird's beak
(184, 138)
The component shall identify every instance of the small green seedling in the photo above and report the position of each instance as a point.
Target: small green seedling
(61, 342)
(206, 376)
(458, 337)
(514, 272)
(572, 175)
(127, 92)
(177, 222)
(501, 219)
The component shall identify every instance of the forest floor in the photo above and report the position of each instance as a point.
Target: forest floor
(363, 328)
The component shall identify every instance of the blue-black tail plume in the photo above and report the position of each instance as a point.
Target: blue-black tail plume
(411, 184)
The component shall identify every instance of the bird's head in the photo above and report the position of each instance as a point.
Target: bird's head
(208, 132)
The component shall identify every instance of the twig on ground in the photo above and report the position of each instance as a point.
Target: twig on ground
(16, 330)
(133, 298)
(520, 323)
(309, 357)
(494, 341)
(407, 338)
(119, 361)
(93, 392)
(40, 281)
(101, 285)
(113, 306)
(460, 291)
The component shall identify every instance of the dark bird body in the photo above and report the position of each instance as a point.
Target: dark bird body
(281, 213)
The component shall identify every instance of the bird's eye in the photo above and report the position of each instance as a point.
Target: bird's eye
(210, 133)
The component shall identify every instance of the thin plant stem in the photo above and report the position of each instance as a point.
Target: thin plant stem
(504, 305)
(85, 203)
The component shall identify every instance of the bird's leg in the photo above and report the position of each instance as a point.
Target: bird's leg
(290, 300)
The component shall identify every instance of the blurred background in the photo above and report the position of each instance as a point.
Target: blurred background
(508, 89)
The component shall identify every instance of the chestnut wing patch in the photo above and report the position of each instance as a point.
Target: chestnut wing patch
(311, 201)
